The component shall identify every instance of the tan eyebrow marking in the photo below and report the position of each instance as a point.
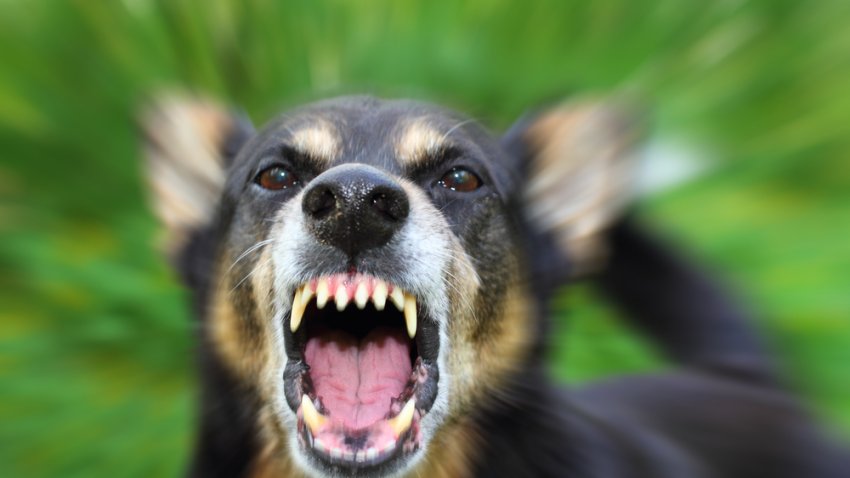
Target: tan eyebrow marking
(419, 141)
(318, 140)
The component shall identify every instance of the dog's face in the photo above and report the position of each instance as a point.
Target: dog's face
(370, 281)
(385, 255)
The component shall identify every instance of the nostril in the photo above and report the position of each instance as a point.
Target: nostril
(380, 202)
(319, 202)
(391, 204)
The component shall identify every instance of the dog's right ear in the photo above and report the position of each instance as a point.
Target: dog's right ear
(188, 145)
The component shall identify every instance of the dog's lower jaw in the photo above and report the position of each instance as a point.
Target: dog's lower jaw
(280, 457)
(280, 454)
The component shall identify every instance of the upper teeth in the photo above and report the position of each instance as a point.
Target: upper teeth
(379, 295)
(367, 288)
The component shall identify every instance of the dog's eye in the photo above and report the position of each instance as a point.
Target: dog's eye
(460, 179)
(276, 177)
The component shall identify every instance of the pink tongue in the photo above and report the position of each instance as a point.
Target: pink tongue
(357, 381)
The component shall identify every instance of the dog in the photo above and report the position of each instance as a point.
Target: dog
(372, 280)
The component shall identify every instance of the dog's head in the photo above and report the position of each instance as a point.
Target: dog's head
(367, 267)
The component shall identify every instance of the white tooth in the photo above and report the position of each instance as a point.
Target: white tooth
(371, 453)
(310, 439)
(322, 293)
(336, 453)
(389, 446)
(410, 314)
(298, 306)
(397, 297)
(379, 295)
(401, 422)
(319, 445)
(361, 296)
(312, 418)
(360, 456)
(306, 295)
(348, 456)
(341, 297)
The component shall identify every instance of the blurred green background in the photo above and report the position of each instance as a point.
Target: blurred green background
(96, 361)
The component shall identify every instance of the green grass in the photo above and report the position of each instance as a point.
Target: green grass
(96, 350)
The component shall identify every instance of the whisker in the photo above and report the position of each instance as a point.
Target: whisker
(453, 128)
(248, 251)
(253, 270)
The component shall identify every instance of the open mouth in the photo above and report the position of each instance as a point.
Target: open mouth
(362, 369)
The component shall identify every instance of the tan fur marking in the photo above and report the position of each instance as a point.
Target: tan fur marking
(418, 140)
(480, 365)
(319, 140)
(263, 288)
(274, 460)
(227, 327)
(262, 280)
(225, 331)
(451, 451)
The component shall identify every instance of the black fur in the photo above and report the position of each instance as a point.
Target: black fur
(722, 414)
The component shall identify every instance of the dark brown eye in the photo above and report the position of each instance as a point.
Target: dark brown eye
(276, 177)
(460, 179)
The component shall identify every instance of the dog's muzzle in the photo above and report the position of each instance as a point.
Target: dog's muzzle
(361, 340)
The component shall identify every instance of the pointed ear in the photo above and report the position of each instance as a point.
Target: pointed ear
(188, 144)
(578, 160)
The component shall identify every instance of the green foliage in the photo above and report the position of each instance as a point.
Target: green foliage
(96, 342)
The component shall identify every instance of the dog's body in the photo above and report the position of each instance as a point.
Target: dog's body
(361, 204)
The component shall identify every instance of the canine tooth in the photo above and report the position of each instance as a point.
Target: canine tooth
(312, 417)
(336, 453)
(341, 297)
(361, 296)
(379, 295)
(298, 306)
(410, 314)
(371, 453)
(306, 295)
(322, 293)
(402, 421)
(318, 444)
(397, 297)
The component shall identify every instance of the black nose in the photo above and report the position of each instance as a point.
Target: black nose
(354, 207)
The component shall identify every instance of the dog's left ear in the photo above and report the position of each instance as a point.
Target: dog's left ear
(578, 164)
(188, 145)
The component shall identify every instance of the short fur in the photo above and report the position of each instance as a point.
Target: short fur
(485, 264)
